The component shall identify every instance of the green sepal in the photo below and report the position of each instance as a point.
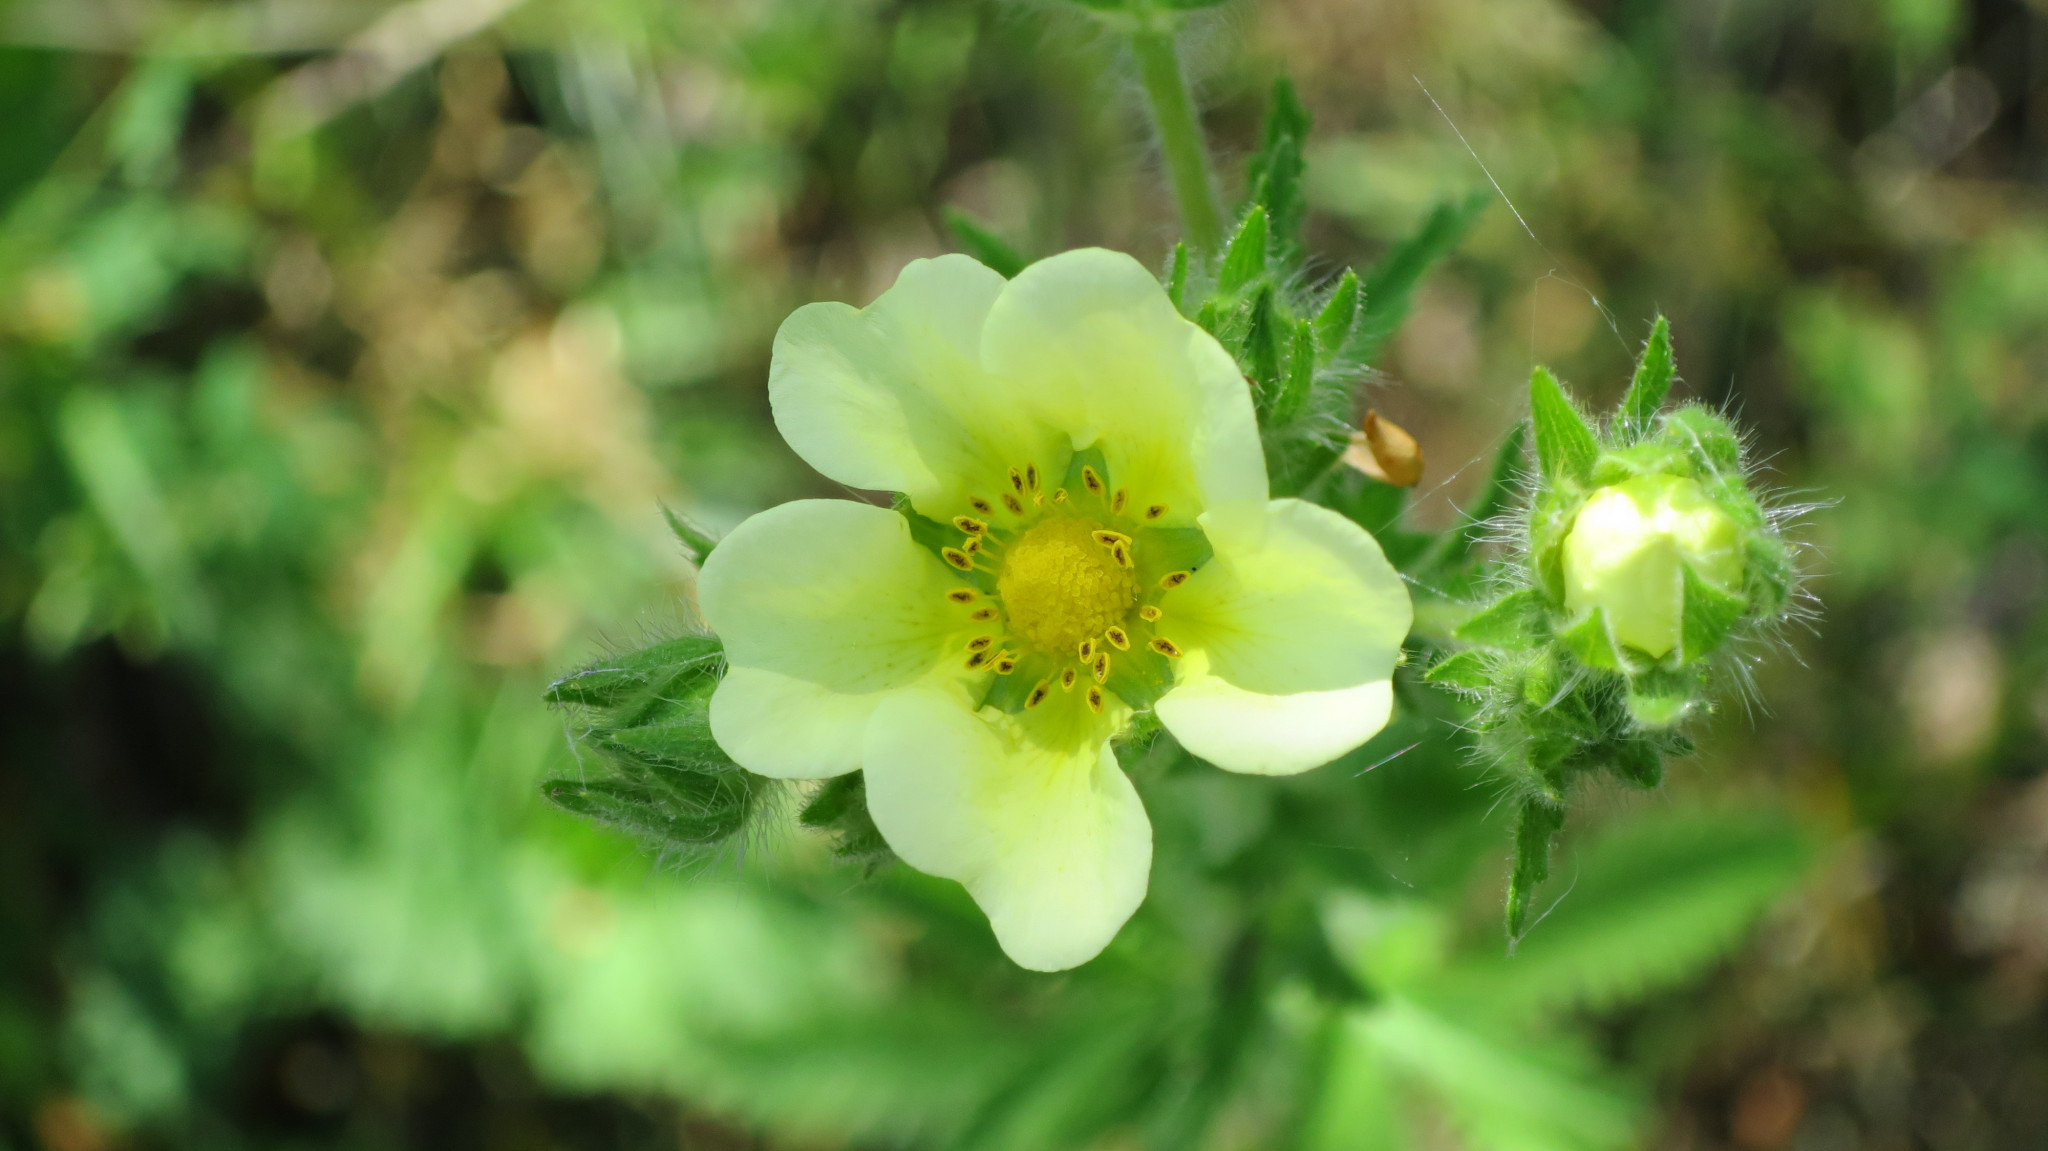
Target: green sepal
(1261, 346)
(1300, 376)
(1637, 761)
(1705, 435)
(1209, 317)
(664, 668)
(1662, 699)
(1565, 447)
(1537, 824)
(1139, 676)
(1767, 575)
(840, 809)
(1244, 261)
(668, 821)
(1516, 620)
(680, 739)
(1338, 316)
(978, 241)
(1463, 671)
(1654, 373)
(1710, 615)
(697, 543)
(1177, 278)
(1589, 642)
(1650, 459)
(1550, 521)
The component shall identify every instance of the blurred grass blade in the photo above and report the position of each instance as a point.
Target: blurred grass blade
(977, 240)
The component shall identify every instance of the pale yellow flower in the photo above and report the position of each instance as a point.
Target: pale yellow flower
(1092, 536)
(1629, 548)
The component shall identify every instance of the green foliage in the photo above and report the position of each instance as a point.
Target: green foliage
(978, 241)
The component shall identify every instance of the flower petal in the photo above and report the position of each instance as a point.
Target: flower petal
(1051, 842)
(1244, 731)
(829, 591)
(1308, 604)
(892, 397)
(788, 728)
(1091, 338)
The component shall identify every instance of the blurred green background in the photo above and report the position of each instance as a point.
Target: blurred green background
(348, 351)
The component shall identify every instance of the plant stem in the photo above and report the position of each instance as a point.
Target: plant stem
(1180, 137)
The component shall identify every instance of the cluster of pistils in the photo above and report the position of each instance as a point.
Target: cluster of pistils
(1063, 589)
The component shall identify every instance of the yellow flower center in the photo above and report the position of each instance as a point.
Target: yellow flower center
(1061, 586)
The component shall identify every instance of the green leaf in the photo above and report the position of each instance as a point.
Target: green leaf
(1651, 904)
(668, 666)
(1244, 261)
(1515, 620)
(697, 543)
(1276, 169)
(978, 241)
(1339, 315)
(840, 809)
(1260, 357)
(1466, 671)
(1391, 282)
(1177, 278)
(1356, 1106)
(1537, 824)
(1591, 643)
(1652, 382)
(1295, 386)
(1565, 446)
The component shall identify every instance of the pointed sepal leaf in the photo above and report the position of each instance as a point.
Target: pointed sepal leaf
(1536, 825)
(1244, 261)
(1565, 447)
(1390, 285)
(1711, 613)
(1652, 382)
(697, 543)
(1516, 620)
(1591, 643)
(1339, 315)
(664, 668)
(978, 240)
(1276, 170)
(1464, 671)
(1177, 278)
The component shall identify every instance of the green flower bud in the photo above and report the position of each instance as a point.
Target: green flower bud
(1627, 551)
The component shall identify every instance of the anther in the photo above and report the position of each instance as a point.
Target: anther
(1108, 538)
(971, 545)
(970, 525)
(980, 505)
(1016, 480)
(1087, 650)
(958, 558)
(976, 660)
(1095, 700)
(1011, 502)
(963, 595)
(1155, 511)
(980, 643)
(1100, 668)
(1059, 496)
(1006, 663)
(1117, 501)
(1118, 639)
(1150, 613)
(1067, 679)
(1031, 476)
(1121, 553)
(1038, 693)
(1165, 647)
(1091, 480)
(1173, 580)
(984, 614)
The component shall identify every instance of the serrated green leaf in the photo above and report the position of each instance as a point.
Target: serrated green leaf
(1244, 261)
(1565, 447)
(1652, 382)
(978, 241)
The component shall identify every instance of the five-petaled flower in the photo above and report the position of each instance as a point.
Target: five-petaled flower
(1087, 533)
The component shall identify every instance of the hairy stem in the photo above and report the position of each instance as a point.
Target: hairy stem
(1180, 137)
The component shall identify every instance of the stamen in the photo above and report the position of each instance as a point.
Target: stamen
(1091, 480)
(983, 615)
(980, 505)
(970, 525)
(1118, 639)
(1165, 647)
(971, 545)
(1121, 553)
(1067, 679)
(1100, 669)
(1108, 538)
(1059, 496)
(1015, 505)
(1038, 693)
(1116, 502)
(980, 643)
(1174, 579)
(1016, 480)
(1087, 650)
(958, 558)
(977, 660)
(1150, 613)
(1095, 700)
(1006, 663)
(963, 595)
(1155, 511)
(1031, 476)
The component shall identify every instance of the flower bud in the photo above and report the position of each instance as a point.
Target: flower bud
(1627, 551)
